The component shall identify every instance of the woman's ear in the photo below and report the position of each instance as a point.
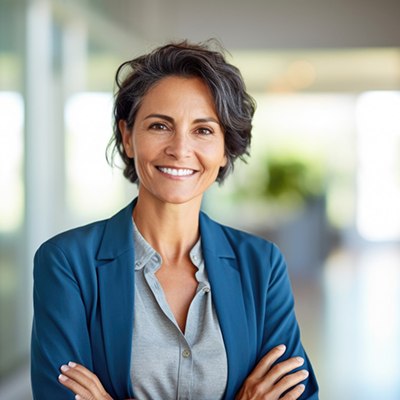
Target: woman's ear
(224, 161)
(127, 140)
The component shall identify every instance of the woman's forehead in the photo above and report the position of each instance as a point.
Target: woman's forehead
(175, 93)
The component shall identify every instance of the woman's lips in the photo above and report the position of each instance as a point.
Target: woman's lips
(176, 171)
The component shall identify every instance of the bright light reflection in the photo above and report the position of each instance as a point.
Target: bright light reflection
(11, 152)
(362, 298)
(94, 189)
(378, 122)
(380, 321)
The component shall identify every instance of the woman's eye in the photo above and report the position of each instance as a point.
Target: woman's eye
(204, 131)
(158, 127)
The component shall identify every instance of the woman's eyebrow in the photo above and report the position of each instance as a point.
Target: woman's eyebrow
(161, 116)
(209, 119)
(170, 119)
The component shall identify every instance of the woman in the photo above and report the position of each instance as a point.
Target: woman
(159, 301)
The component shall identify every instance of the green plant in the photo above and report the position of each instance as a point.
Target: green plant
(291, 177)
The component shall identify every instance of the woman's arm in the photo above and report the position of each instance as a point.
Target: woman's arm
(269, 381)
(266, 382)
(82, 382)
(59, 326)
(280, 323)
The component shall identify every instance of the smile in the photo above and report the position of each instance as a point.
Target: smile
(176, 171)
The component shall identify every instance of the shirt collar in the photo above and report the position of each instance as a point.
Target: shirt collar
(144, 252)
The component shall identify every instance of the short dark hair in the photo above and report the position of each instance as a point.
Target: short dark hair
(234, 106)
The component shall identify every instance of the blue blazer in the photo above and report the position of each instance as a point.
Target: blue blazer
(84, 299)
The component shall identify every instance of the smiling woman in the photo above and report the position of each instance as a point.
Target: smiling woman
(176, 136)
(163, 302)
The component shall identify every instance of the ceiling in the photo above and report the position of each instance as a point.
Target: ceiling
(260, 24)
(279, 45)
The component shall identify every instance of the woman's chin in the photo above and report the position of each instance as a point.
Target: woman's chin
(170, 196)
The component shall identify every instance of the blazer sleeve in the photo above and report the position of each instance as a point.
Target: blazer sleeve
(59, 332)
(280, 324)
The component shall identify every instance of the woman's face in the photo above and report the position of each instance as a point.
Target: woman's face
(177, 141)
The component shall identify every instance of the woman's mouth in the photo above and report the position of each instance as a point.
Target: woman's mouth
(176, 171)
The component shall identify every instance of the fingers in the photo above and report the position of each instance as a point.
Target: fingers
(294, 393)
(270, 380)
(82, 382)
(266, 362)
(283, 368)
(291, 381)
(268, 386)
(279, 370)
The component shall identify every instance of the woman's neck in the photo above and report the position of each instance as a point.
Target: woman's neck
(171, 229)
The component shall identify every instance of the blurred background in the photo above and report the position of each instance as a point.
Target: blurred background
(323, 180)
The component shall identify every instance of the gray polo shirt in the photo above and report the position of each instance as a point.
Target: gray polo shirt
(167, 364)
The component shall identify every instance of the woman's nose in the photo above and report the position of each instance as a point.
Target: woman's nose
(179, 146)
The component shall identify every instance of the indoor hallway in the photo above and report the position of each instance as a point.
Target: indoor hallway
(350, 320)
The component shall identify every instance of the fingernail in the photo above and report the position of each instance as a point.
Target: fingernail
(72, 364)
(281, 347)
(77, 397)
(304, 372)
(300, 360)
(64, 368)
(301, 387)
(62, 377)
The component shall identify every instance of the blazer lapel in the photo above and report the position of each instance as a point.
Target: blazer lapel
(116, 293)
(227, 291)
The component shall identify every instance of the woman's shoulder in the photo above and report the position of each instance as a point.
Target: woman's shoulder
(74, 249)
(78, 236)
(92, 236)
(68, 257)
(240, 239)
(257, 259)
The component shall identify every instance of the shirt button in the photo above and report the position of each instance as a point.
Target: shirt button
(206, 289)
(186, 353)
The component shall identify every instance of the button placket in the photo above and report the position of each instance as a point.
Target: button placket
(186, 353)
(185, 369)
(180, 345)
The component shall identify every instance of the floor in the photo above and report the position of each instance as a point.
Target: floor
(349, 313)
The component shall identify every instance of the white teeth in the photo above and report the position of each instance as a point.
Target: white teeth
(176, 172)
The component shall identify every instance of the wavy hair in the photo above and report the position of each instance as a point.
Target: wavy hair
(234, 106)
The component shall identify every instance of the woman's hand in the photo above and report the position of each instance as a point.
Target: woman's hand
(269, 382)
(84, 383)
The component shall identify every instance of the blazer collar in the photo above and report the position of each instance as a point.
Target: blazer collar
(118, 234)
(213, 238)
